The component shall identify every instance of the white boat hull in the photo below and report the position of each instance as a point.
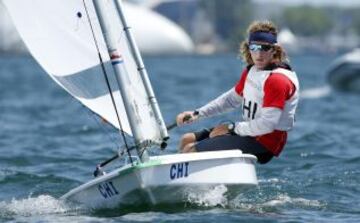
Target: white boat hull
(168, 179)
(344, 73)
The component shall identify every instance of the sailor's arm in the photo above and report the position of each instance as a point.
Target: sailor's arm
(225, 102)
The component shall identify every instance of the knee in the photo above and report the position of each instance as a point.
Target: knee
(189, 148)
(187, 138)
(186, 141)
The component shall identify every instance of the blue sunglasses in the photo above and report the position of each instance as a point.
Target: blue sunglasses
(260, 47)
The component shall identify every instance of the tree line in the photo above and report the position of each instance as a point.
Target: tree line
(231, 18)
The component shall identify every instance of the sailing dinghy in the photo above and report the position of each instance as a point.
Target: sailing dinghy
(344, 72)
(87, 48)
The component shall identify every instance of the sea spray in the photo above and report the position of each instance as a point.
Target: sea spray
(41, 205)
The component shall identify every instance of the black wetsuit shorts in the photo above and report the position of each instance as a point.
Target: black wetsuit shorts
(246, 144)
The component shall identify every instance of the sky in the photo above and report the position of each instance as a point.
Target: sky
(342, 3)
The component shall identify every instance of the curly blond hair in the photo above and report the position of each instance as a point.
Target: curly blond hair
(265, 26)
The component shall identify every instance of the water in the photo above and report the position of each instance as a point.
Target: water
(50, 144)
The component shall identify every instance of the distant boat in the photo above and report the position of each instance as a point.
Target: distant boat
(344, 72)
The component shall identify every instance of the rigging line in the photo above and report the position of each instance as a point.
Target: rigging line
(107, 81)
(93, 115)
(103, 127)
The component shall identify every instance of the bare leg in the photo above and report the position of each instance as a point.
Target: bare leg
(186, 139)
(189, 148)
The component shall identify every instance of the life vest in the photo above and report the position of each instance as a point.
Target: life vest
(253, 94)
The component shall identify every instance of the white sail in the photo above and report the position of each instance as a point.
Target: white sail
(58, 35)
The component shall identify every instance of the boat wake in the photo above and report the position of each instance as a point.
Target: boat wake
(274, 205)
(314, 93)
(271, 199)
(254, 201)
(257, 201)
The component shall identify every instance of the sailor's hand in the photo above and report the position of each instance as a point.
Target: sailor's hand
(186, 117)
(219, 130)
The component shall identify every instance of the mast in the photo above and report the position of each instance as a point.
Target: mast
(120, 72)
(142, 70)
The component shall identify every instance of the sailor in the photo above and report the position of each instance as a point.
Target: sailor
(267, 94)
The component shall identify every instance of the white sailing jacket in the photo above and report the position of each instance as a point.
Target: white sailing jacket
(253, 95)
(257, 120)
